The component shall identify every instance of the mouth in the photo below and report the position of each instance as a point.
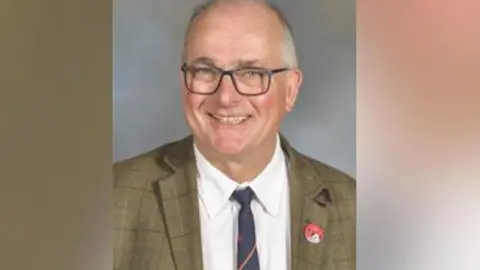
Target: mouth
(230, 119)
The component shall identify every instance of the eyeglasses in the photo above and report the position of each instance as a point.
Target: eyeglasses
(247, 81)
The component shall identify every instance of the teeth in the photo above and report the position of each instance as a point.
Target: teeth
(229, 119)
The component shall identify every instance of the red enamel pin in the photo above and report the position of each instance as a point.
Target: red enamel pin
(314, 233)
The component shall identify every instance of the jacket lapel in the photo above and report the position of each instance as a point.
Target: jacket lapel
(178, 203)
(308, 204)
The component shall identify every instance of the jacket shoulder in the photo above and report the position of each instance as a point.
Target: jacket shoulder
(139, 171)
(337, 182)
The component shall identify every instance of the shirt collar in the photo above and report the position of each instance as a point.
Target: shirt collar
(215, 188)
(270, 183)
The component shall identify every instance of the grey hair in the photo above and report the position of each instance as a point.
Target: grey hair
(289, 50)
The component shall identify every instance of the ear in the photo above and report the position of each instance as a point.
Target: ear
(294, 81)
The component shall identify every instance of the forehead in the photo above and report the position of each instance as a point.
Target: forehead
(232, 33)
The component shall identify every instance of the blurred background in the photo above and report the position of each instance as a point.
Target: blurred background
(148, 38)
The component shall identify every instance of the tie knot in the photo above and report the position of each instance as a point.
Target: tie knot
(243, 196)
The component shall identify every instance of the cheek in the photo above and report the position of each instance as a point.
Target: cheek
(271, 105)
(193, 102)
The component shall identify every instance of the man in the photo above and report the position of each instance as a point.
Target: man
(235, 194)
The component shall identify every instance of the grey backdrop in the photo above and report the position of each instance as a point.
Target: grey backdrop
(148, 37)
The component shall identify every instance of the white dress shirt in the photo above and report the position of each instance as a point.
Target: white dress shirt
(218, 214)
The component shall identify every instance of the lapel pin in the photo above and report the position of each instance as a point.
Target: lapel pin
(314, 233)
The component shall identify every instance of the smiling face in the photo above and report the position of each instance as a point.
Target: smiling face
(230, 36)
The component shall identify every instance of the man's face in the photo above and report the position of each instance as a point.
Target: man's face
(227, 37)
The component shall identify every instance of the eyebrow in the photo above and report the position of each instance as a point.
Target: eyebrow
(247, 63)
(239, 63)
(203, 60)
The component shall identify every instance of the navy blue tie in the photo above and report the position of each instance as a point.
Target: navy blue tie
(247, 255)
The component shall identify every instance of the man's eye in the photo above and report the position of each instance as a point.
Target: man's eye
(204, 71)
(252, 73)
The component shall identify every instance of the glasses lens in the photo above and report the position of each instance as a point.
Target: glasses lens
(252, 81)
(202, 80)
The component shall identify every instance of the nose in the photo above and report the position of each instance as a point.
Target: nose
(227, 94)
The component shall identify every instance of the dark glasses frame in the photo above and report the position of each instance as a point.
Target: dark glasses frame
(269, 72)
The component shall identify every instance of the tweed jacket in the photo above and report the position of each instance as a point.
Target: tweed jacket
(157, 223)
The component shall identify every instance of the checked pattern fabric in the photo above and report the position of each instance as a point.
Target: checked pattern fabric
(247, 255)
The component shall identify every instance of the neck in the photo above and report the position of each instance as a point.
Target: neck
(243, 167)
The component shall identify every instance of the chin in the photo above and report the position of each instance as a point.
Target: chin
(228, 151)
(229, 147)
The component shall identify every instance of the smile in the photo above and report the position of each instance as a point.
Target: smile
(231, 120)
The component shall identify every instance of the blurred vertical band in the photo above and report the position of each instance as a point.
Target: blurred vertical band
(418, 109)
(56, 135)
